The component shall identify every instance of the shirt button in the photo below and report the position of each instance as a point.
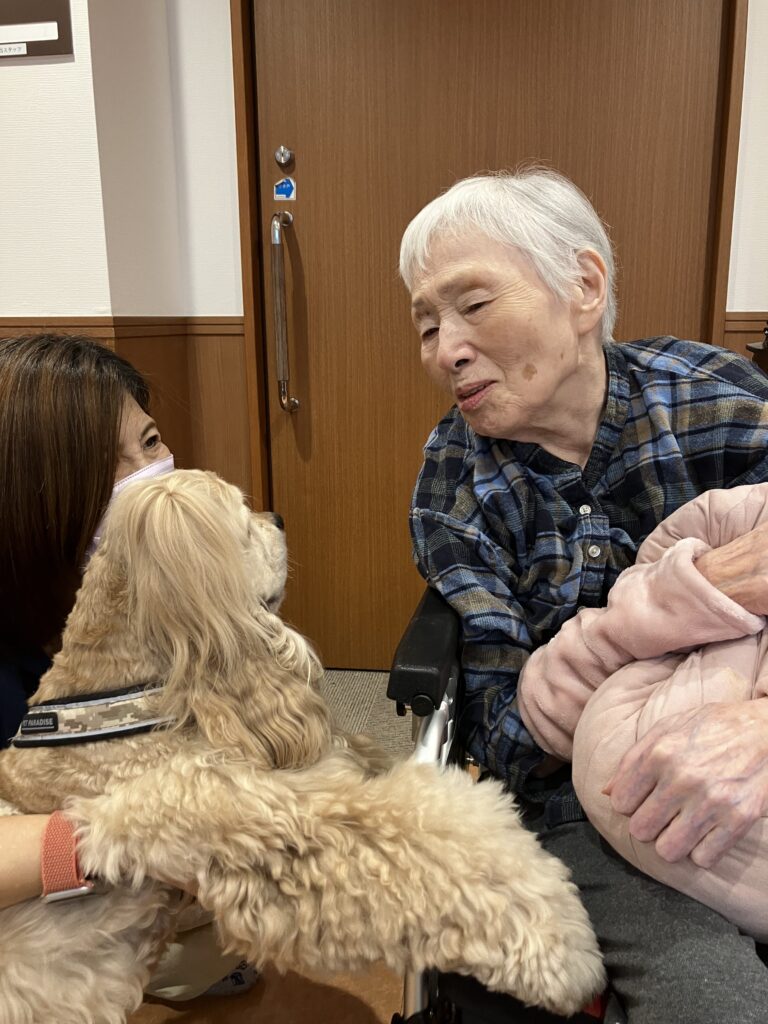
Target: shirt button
(585, 510)
(593, 550)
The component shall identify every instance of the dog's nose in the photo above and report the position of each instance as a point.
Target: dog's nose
(278, 520)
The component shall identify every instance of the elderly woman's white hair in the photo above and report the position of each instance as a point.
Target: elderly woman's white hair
(537, 211)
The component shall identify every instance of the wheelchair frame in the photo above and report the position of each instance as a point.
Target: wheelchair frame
(426, 677)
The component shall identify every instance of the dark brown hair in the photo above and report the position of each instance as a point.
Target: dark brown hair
(61, 402)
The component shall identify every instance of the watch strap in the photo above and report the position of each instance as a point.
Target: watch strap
(60, 871)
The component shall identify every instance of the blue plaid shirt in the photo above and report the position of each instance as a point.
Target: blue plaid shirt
(518, 540)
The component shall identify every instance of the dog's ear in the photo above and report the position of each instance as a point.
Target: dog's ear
(179, 541)
(176, 540)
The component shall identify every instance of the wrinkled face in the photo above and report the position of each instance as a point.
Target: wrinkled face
(493, 336)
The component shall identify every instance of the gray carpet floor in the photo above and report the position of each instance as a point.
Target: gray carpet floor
(359, 703)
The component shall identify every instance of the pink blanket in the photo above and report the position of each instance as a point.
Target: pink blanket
(666, 642)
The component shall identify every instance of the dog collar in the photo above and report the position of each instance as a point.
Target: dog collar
(90, 717)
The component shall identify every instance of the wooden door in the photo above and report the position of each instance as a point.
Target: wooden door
(387, 102)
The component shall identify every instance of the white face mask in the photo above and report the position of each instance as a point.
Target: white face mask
(145, 473)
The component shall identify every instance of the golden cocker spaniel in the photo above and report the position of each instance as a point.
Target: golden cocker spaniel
(307, 846)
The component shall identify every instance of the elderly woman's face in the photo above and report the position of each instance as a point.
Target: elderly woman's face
(493, 335)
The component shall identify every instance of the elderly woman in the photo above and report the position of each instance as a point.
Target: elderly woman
(563, 452)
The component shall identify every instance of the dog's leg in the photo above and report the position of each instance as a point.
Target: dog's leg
(81, 962)
(323, 867)
(423, 869)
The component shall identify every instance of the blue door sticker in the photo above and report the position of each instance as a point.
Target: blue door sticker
(285, 189)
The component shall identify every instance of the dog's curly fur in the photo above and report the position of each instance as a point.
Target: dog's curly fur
(307, 846)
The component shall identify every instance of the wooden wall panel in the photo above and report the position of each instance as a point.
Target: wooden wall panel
(219, 409)
(196, 368)
(745, 329)
(165, 365)
(100, 328)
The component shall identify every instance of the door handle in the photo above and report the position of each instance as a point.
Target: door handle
(279, 221)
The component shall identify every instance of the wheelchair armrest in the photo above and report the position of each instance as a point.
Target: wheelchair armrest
(427, 656)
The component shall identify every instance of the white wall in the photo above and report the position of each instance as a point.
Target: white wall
(748, 278)
(53, 258)
(202, 95)
(162, 73)
(144, 221)
(125, 204)
(134, 115)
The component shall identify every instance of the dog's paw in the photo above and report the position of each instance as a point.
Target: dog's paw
(551, 957)
(561, 971)
(517, 921)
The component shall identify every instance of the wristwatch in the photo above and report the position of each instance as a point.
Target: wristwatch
(62, 879)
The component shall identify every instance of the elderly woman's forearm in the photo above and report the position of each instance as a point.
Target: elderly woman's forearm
(20, 843)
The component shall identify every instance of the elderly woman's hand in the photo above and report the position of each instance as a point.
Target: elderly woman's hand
(740, 569)
(697, 781)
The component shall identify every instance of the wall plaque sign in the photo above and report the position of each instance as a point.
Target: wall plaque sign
(35, 28)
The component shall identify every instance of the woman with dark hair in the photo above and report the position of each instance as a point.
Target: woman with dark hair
(64, 441)
(74, 427)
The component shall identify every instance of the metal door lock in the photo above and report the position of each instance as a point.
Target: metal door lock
(284, 156)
